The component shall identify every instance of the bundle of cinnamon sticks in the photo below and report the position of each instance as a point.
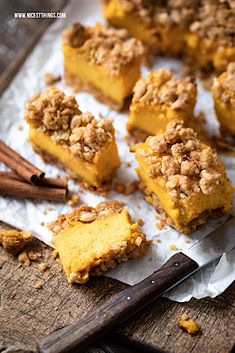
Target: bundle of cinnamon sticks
(28, 181)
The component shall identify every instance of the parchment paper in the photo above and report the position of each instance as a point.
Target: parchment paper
(27, 214)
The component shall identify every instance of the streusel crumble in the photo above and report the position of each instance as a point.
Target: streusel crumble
(183, 177)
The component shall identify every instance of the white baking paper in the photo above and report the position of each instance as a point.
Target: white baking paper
(27, 214)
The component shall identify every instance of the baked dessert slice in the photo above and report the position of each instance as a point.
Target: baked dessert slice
(102, 60)
(183, 177)
(160, 98)
(203, 31)
(223, 91)
(76, 141)
(90, 241)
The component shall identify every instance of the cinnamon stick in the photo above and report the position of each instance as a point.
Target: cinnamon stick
(61, 183)
(20, 165)
(17, 188)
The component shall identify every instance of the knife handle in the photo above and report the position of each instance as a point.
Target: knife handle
(118, 308)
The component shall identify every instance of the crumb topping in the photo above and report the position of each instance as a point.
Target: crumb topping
(213, 20)
(224, 86)
(59, 117)
(187, 166)
(159, 87)
(106, 46)
(86, 214)
(13, 241)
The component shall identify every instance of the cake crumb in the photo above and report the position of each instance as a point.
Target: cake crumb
(38, 285)
(55, 254)
(119, 187)
(42, 223)
(24, 258)
(140, 222)
(74, 200)
(42, 267)
(187, 324)
(34, 256)
(161, 224)
(20, 127)
(50, 79)
(13, 241)
(132, 187)
(173, 247)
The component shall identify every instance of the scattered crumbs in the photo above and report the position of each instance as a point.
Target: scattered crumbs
(201, 117)
(34, 256)
(159, 241)
(42, 267)
(161, 224)
(50, 79)
(55, 254)
(188, 241)
(121, 188)
(24, 258)
(20, 127)
(45, 211)
(167, 333)
(38, 285)
(140, 222)
(173, 247)
(128, 164)
(51, 209)
(74, 200)
(187, 324)
(132, 187)
(42, 223)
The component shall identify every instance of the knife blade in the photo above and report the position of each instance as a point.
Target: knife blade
(127, 302)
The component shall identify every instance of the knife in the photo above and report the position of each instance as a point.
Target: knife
(127, 302)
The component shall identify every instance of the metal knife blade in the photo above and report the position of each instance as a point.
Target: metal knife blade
(213, 245)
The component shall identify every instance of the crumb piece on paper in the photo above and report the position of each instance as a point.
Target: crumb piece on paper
(121, 188)
(188, 241)
(161, 223)
(50, 79)
(140, 222)
(13, 241)
(38, 285)
(74, 200)
(20, 127)
(173, 247)
(42, 266)
(42, 223)
(187, 324)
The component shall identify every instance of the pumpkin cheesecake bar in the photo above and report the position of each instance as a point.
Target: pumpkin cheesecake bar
(90, 241)
(203, 31)
(160, 98)
(183, 177)
(102, 60)
(62, 134)
(223, 91)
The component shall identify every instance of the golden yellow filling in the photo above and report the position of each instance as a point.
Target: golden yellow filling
(100, 169)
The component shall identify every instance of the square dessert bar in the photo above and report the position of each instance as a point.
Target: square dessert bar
(90, 241)
(183, 177)
(76, 141)
(223, 91)
(102, 60)
(158, 99)
(203, 31)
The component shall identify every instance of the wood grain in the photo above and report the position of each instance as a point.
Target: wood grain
(28, 314)
(116, 309)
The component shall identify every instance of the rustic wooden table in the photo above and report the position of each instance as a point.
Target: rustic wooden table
(27, 313)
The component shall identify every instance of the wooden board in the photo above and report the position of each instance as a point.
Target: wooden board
(27, 313)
